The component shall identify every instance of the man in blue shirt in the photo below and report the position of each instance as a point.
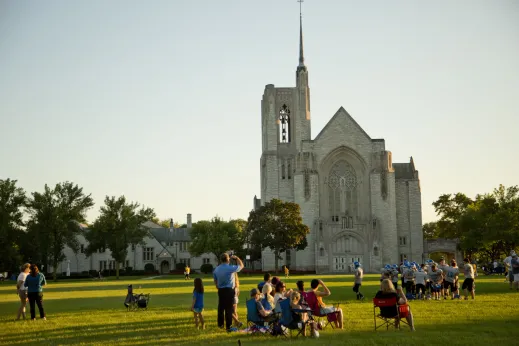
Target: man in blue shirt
(225, 284)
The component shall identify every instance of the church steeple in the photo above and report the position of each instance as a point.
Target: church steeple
(301, 65)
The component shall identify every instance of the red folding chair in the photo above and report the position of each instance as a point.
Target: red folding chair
(390, 313)
(313, 304)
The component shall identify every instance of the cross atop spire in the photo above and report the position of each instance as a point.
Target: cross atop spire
(301, 54)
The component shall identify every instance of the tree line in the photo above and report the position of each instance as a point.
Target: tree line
(487, 226)
(36, 228)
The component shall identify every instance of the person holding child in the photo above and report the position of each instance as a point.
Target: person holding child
(198, 304)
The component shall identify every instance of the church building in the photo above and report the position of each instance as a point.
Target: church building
(358, 204)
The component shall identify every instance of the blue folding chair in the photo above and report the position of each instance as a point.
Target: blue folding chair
(255, 323)
(287, 320)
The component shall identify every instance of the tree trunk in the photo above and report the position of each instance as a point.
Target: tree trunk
(117, 270)
(276, 258)
(55, 269)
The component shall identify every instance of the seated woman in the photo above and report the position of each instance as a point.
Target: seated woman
(281, 292)
(387, 290)
(301, 288)
(268, 299)
(300, 317)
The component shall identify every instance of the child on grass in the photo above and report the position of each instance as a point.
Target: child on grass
(198, 303)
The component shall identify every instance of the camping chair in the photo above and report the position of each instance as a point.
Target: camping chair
(286, 320)
(255, 323)
(387, 320)
(135, 302)
(313, 305)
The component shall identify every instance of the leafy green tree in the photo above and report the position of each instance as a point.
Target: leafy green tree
(54, 224)
(12, 202)
(278, 225)
(119, 225)
(430, 230)
(450, 208)
(215, 237)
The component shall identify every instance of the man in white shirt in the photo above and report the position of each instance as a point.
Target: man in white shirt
(468, 284)
(359, 274)
(508, 264)
(22, 290)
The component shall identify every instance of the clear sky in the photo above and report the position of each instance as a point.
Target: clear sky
(160, 100)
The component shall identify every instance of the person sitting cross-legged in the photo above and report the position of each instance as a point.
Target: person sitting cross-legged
(326, 310)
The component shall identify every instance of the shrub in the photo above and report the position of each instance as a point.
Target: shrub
(149, 267)
(206, 268)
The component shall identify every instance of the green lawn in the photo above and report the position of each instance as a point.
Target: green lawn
(90, 312)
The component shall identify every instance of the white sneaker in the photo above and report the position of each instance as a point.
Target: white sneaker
(316, 334)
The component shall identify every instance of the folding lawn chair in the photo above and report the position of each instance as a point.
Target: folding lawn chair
(313, 305)
(390, 313)
(255, 323)
(135, 302)
(286, 320)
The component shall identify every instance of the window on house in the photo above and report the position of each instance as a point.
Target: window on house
(82, 249)
(344, 223)
(283, 171)
(284, 119)
(102, 265)
(321, 252)
(147, 254)
(289, 170)
(111, 264)
(101, 250)
(288, 258)
(403, 257)
(206, 261)
(127, 263)
(186, 261)
(402, 240)
(133, 247)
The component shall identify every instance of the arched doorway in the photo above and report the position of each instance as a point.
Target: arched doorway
(346, 249)
(448, 248)
(164, 267)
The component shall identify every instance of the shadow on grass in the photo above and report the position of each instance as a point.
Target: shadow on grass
(181, 332)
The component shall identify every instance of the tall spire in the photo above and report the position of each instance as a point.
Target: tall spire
(301, 54)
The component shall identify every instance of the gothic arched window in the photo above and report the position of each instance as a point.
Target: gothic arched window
(342, 186)
(284, 119)
(321, 252)
(283, 171)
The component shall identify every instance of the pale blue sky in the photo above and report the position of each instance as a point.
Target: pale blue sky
(160, 100)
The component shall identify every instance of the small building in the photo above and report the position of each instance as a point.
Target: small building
(163, 249)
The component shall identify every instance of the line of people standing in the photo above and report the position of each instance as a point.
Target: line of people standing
(29, 288)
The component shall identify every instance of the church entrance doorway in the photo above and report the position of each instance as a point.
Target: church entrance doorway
(164, 267)
(344, 263)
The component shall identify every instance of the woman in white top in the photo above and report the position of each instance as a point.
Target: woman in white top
(281, 292)
(22, 290)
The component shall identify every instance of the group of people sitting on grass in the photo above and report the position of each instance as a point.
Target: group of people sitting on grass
(432, 280)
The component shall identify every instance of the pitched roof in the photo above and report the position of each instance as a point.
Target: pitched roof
(342, 111)
(167, 236)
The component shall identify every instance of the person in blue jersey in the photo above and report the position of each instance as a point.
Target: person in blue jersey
(198, 304)
(34, 283)
(224, 280)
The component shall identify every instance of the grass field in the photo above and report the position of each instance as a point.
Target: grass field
(92, 313)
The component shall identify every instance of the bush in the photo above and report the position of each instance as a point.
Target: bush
(180, 266)
(206, 268)
(149, 268)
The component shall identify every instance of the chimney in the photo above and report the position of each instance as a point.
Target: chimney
(171, 227)
(189, 223)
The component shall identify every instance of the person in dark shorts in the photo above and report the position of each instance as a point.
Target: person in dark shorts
(468, 284)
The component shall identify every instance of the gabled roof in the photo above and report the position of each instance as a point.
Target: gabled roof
(342, 112)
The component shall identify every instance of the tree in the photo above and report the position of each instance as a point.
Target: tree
(119, 225)
(450, 208)
(12, 202)
(215, 237)
(278, 225)
(165, 223)
(55, 217)
(430, 230)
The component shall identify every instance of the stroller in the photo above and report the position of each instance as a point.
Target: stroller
(135, 302)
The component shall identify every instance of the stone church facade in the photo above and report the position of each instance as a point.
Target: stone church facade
(358, 204)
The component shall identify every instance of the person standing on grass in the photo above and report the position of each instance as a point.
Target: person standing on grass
(22, 290)
(187, 271)
(224, 280)
(34, 283)
(198, 304)
(468, 283)
(236, 301)
(359, 275)
(420, 277)
(287, 272)
(451, 280)
(508, 264)
(515, 270)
